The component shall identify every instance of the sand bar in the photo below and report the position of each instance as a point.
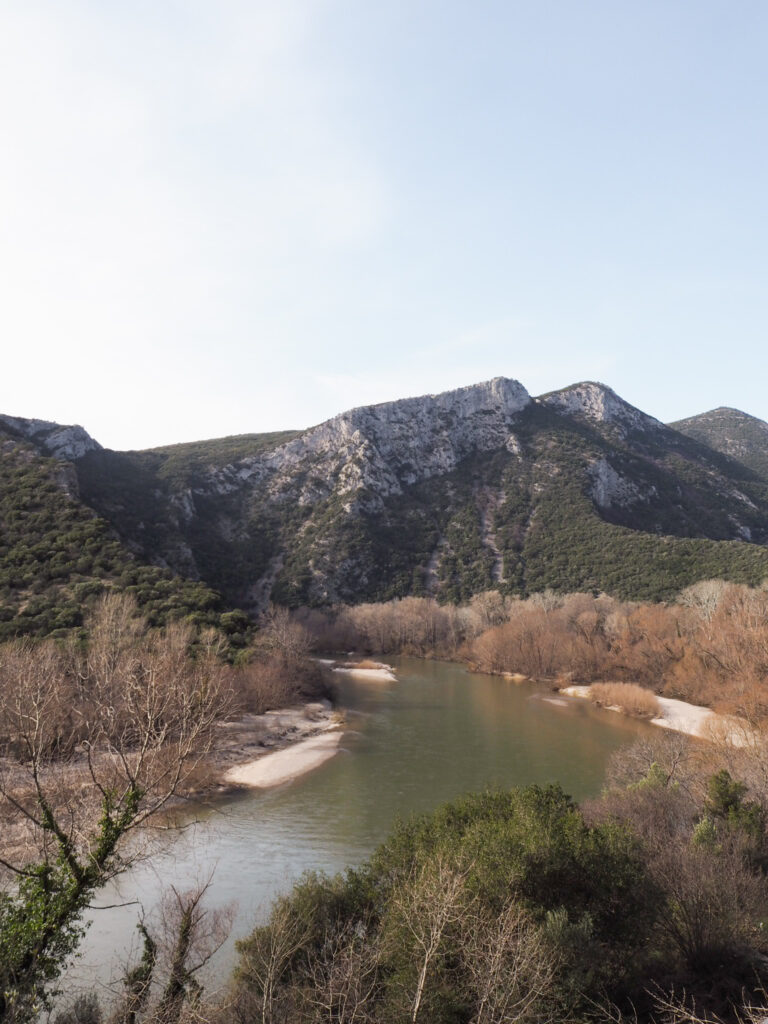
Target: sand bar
(383, 673)
(690, 719)
(285, 765)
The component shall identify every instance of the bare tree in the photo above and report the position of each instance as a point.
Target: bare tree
(284, 634)
(426, 908)
(95, 745)
(510, 966)
(191, 934)
(343, 974)
(267, 955)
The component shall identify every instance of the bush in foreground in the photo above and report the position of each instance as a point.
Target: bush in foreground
(501, 906)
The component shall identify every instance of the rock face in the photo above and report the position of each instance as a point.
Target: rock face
(611, 489)
(600, 404)
(66, 443)
(383, 448)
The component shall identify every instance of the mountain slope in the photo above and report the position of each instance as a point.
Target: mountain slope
(445, 494)
(734, 433)
(56, 555)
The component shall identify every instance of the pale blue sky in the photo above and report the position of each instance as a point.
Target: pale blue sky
(220, 217)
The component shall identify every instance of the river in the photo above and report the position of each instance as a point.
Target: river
(409, 745)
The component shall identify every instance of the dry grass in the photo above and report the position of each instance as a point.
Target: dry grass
(631, 699)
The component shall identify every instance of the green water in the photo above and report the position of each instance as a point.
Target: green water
(409, 745)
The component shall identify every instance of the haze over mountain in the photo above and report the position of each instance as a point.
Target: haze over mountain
(450, 494)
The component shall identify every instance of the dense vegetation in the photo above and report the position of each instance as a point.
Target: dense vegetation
(146, 496)
(543, 521)
(646, 904)
(57, 557)
(733, 433)
(570, 504)
(520, 906)
(517, 520)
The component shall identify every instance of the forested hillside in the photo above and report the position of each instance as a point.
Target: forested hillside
(57, 555)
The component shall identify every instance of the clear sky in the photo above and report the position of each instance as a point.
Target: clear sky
(221, 217)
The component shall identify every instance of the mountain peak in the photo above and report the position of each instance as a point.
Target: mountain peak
(501, 394)
(600, 404)
(731, 432)
(385, 447)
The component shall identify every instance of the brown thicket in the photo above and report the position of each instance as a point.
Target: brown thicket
(629, 698)
(709, 864)
(132, 712)
(709, 647)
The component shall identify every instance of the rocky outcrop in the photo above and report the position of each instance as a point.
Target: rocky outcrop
(611, 488)
(62, 442)
(600, 404)
(380, 449)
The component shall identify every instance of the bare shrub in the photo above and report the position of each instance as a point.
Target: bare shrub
(341, 975)
(511, 968)
(265, 957)
(679, 762)
(282, 633)
(271, 680)
(629, 698)
(423, 911)
(710, 647)
(715, 902)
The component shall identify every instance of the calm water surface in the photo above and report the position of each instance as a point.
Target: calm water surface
(409, 745)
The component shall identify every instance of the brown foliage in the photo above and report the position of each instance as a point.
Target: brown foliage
(272, 681)
(132, 712)
(709, 647)
(631, 699)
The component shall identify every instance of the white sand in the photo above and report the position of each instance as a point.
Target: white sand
(687, 718)
(680, 716)
(284, 765)
(383, 673)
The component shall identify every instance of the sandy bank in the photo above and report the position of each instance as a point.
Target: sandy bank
(285, 765)
(382, 675)
(243, 742)
(375, 671)
(680, 716)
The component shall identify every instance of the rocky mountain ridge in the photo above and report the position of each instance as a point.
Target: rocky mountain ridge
(483, 486)
(67, 443)
(733, 433)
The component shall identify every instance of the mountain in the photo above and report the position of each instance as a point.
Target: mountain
(56, 554)
(734, 433)
(447, 494)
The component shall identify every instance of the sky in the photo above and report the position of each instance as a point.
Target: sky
(235, 216)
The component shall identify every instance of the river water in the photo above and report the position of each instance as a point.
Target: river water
(409, 745)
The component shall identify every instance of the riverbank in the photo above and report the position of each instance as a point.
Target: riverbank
(288, 764)
(274, 747)
(375, 671)
(261, 751)
(679, 716)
